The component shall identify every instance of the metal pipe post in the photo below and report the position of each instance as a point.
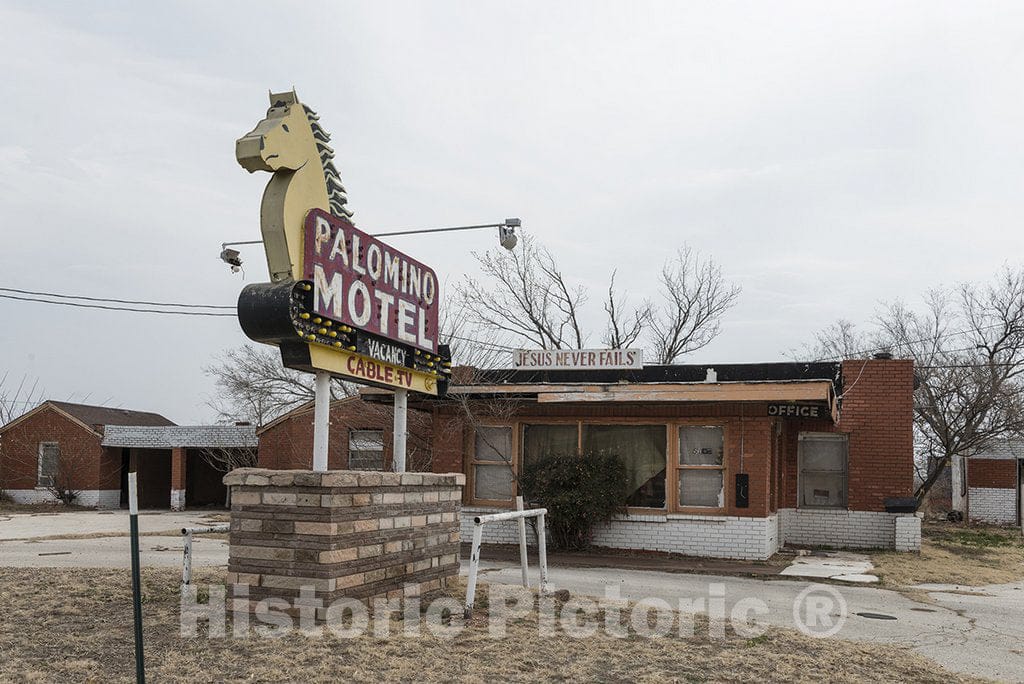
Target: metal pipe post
(321, 420)
(133, 517)
(401, 429)
(474, 567)
(522, 542)
(542, 552)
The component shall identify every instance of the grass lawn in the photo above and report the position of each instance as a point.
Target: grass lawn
(61, 625)
(955, 553)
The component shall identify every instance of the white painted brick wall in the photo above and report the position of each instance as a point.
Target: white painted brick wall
(840, 529)
(177, 499)
(693, 535)
(90, 498)
(908, 533)
(993, 505)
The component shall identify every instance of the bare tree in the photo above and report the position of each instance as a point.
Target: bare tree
(968, 349)
(252, 385)
(18, 398)
(840, 340)
(527, 297)
(694, 297)
(623, 329)
(967, 344)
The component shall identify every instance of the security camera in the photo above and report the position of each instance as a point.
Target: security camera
(507, 233)
(232, 258)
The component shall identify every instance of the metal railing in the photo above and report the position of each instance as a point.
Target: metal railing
(520, 516)
(186, 560)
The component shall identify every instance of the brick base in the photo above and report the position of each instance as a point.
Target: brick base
(341, 533)
(90, 498)
(841, 529)
(993, 505)
(709, 536)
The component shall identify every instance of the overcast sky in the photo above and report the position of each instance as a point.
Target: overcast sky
(827, 156)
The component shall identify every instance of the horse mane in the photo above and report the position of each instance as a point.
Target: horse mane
(335, 190)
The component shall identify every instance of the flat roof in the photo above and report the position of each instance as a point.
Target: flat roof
(181, 436)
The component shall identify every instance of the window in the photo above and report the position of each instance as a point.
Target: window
(492, 464)
(642, 449)
(822, 458)
(49, 458)
(545, 440)
(365, 450)
(701, 466)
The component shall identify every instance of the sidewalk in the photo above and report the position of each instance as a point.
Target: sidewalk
(627, 560)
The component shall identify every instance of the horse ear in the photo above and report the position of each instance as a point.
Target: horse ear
(285, 99)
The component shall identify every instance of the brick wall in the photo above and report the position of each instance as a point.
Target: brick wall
(708, 536)
(353, 534)
(288, 442)
(79, 447)
(997, 505)
(995, 473)
(878, 415)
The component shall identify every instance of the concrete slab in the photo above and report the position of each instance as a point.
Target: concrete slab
(839, 565)
(37, 525)
(856, 578)
(110, 552)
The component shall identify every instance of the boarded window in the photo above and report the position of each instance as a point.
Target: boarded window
(366, 450)
(823, 467)
(642, 449)
(702, 466)
(492, 464)
(49, 459)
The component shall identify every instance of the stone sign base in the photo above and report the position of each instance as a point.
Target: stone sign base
(343, 533)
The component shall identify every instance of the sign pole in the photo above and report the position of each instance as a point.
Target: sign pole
(133, 517)
(401, 430)
(321, 420)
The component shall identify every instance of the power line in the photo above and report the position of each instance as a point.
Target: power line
(116, 301)
(116, 308)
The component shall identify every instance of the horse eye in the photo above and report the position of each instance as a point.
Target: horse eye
(285, 127)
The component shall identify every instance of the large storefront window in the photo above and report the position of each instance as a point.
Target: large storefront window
(642, 449)
(701, 467)
(822, 458)
(492, 464)
(547, 440)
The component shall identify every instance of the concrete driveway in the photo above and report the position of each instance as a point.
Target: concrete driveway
(99, 539)
(979, 631)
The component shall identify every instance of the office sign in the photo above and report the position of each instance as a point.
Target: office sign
(799, 411)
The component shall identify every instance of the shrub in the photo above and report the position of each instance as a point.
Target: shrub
(579, 491)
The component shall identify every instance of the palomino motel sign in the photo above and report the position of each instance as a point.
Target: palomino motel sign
(340, 300)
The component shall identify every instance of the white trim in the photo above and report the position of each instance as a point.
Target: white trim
(89, 498)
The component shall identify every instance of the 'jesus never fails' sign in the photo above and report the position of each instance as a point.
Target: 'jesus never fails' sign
(369, 285)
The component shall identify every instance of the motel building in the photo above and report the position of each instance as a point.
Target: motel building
(729, 461)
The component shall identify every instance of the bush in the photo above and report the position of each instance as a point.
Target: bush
(579, 491)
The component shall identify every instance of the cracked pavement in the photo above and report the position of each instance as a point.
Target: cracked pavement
(970, 630)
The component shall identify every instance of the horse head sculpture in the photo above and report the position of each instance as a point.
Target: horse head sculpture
(291, 144)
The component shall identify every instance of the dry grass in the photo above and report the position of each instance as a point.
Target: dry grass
(77, 626)
(957, 554)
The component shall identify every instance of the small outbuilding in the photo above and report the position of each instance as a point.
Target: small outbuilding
(59, 445)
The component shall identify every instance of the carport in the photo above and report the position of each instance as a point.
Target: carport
(181, 466)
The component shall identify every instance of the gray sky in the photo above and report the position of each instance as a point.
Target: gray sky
(827, 156)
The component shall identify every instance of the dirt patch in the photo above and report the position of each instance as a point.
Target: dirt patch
(61, 625)
(956, 554)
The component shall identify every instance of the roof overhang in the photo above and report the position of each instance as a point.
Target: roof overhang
(819, 393)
